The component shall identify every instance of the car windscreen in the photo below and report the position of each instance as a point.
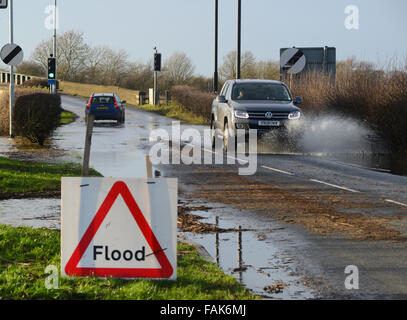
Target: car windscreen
(260, 91)
(102, 100)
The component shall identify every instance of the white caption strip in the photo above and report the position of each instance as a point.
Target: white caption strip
(335, 186)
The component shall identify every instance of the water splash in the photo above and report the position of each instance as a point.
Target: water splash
(336, 134)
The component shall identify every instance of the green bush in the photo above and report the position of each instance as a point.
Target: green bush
(36, 83)
(36, 116)
(194, 100)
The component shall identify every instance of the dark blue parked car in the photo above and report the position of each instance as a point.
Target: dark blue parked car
(106, 106)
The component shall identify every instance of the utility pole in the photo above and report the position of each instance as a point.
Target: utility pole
(239, 37)
(11, 91)
(215, 75)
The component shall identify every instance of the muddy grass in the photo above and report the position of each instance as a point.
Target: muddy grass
(188, 222)
(35, 154)
(323, 213)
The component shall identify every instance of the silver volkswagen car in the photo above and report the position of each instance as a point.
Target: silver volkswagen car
(264, 105)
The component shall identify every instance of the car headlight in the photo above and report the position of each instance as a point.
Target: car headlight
(294, 115)
(241, 114)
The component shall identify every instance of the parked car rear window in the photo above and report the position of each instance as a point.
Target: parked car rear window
(260, 91)
(100, 100)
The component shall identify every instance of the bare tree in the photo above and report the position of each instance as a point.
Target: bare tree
(178, 69)
(139, 76)
(228, 69)
(268, 69)
(93, 64)
(31, 68)
(114, 66)
(71, 54)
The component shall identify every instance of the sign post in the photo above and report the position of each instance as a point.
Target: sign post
(11, 91)
(121, 228)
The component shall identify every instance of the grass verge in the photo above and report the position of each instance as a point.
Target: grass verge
(26, 252)
(175, 111)
(172, 110)
(67, 117)
(36, 179)
(85, 91)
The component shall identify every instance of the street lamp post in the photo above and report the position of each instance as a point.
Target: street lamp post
(54, 87)
(239, 37)
(215, 75)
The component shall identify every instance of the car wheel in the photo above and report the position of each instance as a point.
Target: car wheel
(213, 135)
(121, 119)
(227, 139)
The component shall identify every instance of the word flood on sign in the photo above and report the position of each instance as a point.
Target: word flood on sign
(121, 228)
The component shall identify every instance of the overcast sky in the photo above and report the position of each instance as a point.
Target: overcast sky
(188, 25)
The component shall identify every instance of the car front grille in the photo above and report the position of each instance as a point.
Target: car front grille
(261, 115)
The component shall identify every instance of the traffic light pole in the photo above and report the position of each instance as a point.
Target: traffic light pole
(11, 91)
(155, 89)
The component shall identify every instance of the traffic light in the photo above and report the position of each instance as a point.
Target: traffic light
(157, 61)
(52, 68)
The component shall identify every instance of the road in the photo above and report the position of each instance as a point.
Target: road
(307, 217)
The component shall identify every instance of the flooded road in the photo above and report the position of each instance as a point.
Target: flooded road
(306, 216)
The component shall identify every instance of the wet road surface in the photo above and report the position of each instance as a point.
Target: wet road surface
(308, 217)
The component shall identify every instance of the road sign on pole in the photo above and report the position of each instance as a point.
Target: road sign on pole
(122, 228)
(12, 54)
(292, 60)
(3, 4)
(295, 61)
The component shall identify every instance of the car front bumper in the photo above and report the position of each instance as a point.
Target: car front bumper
(286, 126)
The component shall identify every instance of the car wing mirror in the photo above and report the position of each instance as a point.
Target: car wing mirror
(221, 99)
(124, 102)
(298, 100)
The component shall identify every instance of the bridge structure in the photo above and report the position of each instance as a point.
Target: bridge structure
(18, 77)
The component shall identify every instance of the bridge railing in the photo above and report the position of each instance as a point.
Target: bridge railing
(18, 77)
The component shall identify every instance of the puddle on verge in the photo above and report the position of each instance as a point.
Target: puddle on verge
(34, 213)
(251, 257)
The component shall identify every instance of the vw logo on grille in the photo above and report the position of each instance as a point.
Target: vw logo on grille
(269, 115)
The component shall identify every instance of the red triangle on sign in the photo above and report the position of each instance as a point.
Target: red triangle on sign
(164, 272)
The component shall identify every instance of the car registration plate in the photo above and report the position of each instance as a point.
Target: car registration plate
(270, 123)
(102, 108)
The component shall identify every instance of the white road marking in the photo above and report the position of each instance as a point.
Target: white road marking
(395, 202)
(335, 186)
(277, 170)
